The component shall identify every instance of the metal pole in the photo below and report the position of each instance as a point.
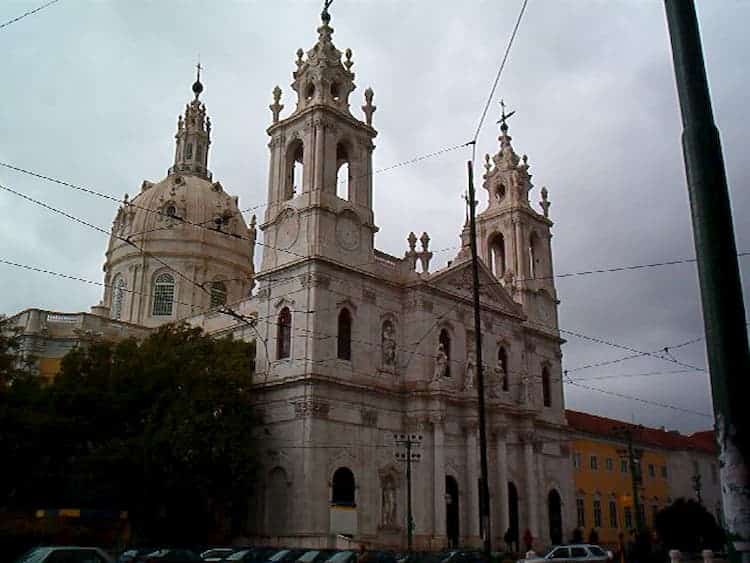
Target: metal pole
(635, 476)
(409, 523)
(718, 272)
(484, 493)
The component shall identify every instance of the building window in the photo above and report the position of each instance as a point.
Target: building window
(118, 298)
(594, 463)
(628, 512)
(189, 151)
(343, 487)
(581, 513)
(497, 255)
(714, 474)
(284, 341)
(502, 363)
(609, 464)
(163, 295)
(623, 466)
(444, 342)
(345, 335)
(546, 390)
(612, 514)
(651, 470)
(663, 471)
(597, 514)
(218, 294)
(577, 460)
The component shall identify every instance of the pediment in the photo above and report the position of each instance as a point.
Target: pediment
(458, 279)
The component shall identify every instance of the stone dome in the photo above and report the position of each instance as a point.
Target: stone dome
(188, 228)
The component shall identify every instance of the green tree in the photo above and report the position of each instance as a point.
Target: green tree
(162, 428)
(687, 525)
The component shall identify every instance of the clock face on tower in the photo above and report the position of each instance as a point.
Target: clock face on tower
(288, 229)
(347, 231)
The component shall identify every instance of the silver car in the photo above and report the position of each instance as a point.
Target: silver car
(576, 553)
(65, 554)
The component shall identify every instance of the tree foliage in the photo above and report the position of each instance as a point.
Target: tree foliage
(687, 525)
(162, 428)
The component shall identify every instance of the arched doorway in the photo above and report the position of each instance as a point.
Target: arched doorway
(554, 508)
(451, 511)
(513, 515)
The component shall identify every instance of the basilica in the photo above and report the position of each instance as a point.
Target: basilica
(360, 352)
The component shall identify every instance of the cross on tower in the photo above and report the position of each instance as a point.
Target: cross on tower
(504, 116)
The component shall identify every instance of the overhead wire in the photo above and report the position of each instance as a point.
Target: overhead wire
(28, 13)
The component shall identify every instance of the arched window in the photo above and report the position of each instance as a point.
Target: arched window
(546, 389)
(343, 173)
(295, 169)
(163, 295)
(344, 340)
(497, 255)
(444, 341)
(533, 255)
(188, 151)
(118, 298)
(284, 340)
(342, 488)
(218, 294)
(502, 362)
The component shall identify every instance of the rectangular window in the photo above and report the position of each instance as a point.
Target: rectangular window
(597, 514)
(612, 514)
(714, 474)
(577, 460)
(628, 517)
(651, 470)
(581, 513)
(609, 464)
(594, 463)
(623, 466)
(663, 471)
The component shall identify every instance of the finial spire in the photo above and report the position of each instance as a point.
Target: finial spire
(324, 15)
(197, 86)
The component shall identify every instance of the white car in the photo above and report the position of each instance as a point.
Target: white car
(217, 554)
(65, 554)
(576, 553)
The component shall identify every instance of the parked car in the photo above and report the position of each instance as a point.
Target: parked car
(576, 553)
(343, 557)
(170, 556)
(315, 556)
(132, 555)
(285, 556)
(217, 553)
(252, 555)
(65, 554)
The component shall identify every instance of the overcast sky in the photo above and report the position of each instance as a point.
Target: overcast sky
(90, 93)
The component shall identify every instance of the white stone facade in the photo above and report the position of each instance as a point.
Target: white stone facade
(355, 345)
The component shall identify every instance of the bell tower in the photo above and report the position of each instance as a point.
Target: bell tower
(514, 239)
(193, 136)
(320, 177)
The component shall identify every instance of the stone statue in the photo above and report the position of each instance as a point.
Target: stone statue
(470, 377)
(526, 395)
(389, 345)
(388, 516)
(441, 363)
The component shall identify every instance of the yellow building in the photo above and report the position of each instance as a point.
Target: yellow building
(603, 480)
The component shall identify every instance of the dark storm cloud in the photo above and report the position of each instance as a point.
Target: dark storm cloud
(91, 93)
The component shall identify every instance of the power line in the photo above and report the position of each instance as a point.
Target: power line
(25, 14)
(497, 77)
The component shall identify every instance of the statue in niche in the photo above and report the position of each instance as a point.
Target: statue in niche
(470, 377)
(441, 363)
(526, 394)
(496, 380)
(389, 345)
(388, 514)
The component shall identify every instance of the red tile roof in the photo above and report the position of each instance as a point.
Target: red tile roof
(669, 439)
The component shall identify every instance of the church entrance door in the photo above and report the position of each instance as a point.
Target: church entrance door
(451, 511)
(555, 517)
(513, 515)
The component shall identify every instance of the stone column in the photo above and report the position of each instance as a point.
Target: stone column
(542, 500)
(501, 496)
(439, 528)
(319, 160)
(472, 486)
(532, 497)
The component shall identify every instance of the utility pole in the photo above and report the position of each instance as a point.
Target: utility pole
(408, 442)
(718, 272)
(484, 492)
(633, 456)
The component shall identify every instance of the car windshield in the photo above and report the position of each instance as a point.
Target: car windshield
(340, 557)
(33, 556)
(280, 555)
(308, 556)
(596, 550)
(238, 555)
